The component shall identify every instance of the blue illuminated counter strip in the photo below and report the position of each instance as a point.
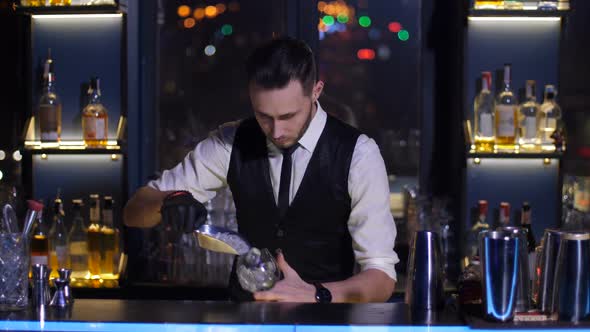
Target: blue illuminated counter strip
(162, 316)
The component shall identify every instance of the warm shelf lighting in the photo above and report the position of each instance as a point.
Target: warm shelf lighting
(74, 16)
(513, 19)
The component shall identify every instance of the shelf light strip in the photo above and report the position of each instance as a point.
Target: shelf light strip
(77, 16)
(513, 18)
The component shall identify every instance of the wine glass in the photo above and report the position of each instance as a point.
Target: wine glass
(257, 270)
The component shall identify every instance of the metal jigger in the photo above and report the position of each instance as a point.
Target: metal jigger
(59, 298)
(65, 275)
(41, 293)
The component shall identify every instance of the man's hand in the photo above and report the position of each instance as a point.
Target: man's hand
(291, 289)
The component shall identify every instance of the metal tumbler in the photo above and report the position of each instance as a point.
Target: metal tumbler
(424, 289)
(500, 273)
(548, 261)
(523, 298)
(572, 277)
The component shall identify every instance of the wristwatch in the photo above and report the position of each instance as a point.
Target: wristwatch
(322, 294)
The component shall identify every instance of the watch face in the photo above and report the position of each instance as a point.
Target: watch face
(323, 295)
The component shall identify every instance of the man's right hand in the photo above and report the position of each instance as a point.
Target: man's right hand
(143, 209)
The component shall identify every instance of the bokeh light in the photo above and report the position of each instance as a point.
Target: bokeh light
(234, 6)
(365, 21)
(383, 52)
(189, 23)
(394, 27)
(210, 50)
(184, 11)
(365, 54)
(403, 35)
(227, 29)
(199, 13)
(342, 18)
(2, 155)
(321, 5)
(328, 20)
(210, 11)
(221, 7)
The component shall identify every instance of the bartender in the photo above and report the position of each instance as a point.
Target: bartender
(306, 185)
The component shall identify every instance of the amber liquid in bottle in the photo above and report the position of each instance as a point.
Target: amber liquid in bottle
(489, 4)
(94, 250)
(95, 118)
(39, 249)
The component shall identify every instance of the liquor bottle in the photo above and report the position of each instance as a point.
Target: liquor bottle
(488, 4)
(40, 242)
(550, 114)
(547, 5)
(506, 120)
(58, 240)
(529, 119)
(78, 239)
(49, 110)
(513, 4)
(484, 115)
(479, 225)
(61, 2)
(525, 222)
(95, 119)
(94, 237)
(110, 238)
(504, 214)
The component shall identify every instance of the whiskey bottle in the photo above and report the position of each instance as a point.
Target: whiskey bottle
(506, 120)
(484, 115)
(95, 118)
(110, 239)
(550, 115)
(40, 242)
(94, 237)
(78, 240)
(504, 214)
(488, 4)
(49, 109)
(513, 4)
(58, 240)
(529, 119)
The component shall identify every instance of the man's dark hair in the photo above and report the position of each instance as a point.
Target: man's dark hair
(276, 63)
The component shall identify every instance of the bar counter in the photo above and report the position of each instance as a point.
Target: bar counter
(148, 315)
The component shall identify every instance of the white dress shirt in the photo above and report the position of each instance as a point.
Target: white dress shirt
(204, 171)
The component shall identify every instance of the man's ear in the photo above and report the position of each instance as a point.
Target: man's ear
(317, 90)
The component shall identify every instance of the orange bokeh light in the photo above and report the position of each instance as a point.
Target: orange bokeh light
(321, 6)
(234, 6)
(221, 7)
(183, 11)
(189, 23)
(210, 11)
(199, 13)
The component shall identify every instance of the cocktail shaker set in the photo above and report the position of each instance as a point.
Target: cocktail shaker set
(41, 292)
(561, 280)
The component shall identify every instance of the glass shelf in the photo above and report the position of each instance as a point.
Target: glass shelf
(34, 146)
(66, 10)
(483, 13)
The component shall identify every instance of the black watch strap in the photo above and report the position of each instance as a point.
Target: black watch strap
(322, 294)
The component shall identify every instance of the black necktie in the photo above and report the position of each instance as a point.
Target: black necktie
(285, 180)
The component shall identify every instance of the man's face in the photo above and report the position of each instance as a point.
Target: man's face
(284, 114)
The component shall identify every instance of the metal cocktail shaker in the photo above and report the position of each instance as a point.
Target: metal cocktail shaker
(571, 292)
(424, 288)
(523, 299)
(500, 260)
(548, 261)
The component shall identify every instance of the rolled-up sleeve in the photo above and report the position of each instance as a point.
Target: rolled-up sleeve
(204, 170)
(370, 223)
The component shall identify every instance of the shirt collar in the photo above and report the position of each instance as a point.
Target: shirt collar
(312, 134)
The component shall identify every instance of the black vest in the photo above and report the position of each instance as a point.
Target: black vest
(314, 234)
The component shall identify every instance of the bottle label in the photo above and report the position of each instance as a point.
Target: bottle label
(49, 122)
(42, 260)
(530, 127)
(486, 125)
(94, 128)
(78, 248)
(505, 118)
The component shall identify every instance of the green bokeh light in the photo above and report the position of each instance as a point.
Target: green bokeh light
(342, 18)
(365, 21)
(227, 29)
(403, 35)
(328, 20)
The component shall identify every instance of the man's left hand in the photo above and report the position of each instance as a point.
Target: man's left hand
(291, 289)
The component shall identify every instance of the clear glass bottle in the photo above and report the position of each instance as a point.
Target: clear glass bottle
(49, 109)
(58, 240)
(95, 120)
(506, 116)
(547, 5)
(550, 115)
(110, 239)
(473, 237)
(483, 107)
(529, 119)
(40, 242)
(94, 237)
(78, 240)
(513, 4)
